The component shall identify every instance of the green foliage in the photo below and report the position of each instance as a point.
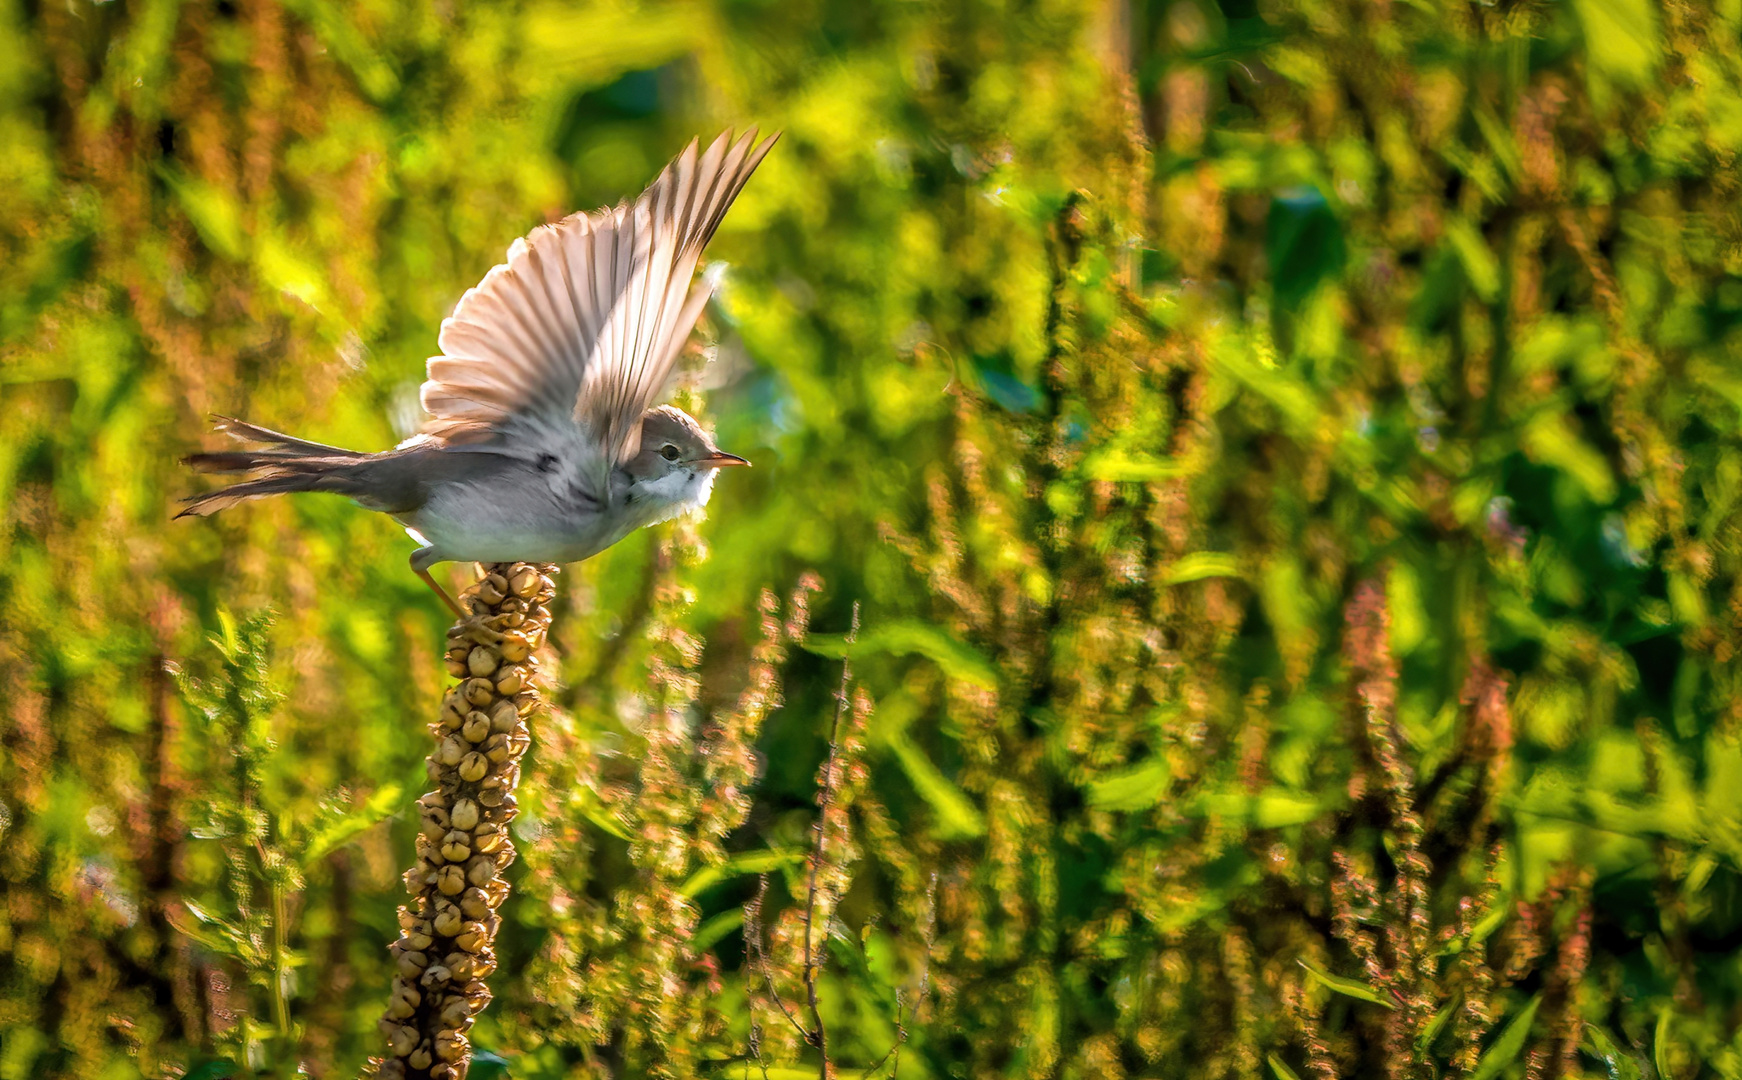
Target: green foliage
(1286, 453)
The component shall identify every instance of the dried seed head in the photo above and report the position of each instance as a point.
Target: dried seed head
(463, 841)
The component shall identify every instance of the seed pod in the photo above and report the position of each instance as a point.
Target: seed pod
(435, 821)
(411, 964)
(477, 727)
(418, 940)
(488, 593)
(475, 904)
(393, 1069)
(448, 922)
(481, 661)
(524, 582)
(450, 1046)
(510, 678)
(465, 815)
(504, 716)
(401, 1040)
(423, 1057)
(451, 751)
(451, 881)
(488, 837)
(456, 847)
(481, 871)
(479, 691)
(495, 748)
(473, 937)
(515, 646)
(461, 964)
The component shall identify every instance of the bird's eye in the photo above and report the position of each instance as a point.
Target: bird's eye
(668, 452)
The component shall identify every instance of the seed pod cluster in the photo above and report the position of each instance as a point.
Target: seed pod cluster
(446, 934)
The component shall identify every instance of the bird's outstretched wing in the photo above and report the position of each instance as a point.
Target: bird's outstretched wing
(574, 337)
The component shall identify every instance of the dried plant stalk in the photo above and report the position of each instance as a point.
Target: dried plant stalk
(444, 952)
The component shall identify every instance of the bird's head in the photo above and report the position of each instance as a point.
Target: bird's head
(674, 469)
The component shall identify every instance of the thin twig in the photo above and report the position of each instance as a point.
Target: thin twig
(929, 936)
(825, 799)
(759, 957)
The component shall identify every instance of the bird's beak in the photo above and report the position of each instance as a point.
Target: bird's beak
(719, 459)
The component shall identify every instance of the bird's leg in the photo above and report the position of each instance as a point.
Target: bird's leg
(472, 627)
(421, 569)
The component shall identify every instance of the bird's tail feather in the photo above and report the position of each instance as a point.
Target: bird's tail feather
(287, 465)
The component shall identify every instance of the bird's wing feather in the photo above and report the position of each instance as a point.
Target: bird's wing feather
(572, 339)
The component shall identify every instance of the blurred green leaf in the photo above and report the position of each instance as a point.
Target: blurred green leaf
(1347, 987)
(1506, 1048)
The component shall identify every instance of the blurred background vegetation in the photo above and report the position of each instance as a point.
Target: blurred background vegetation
(1284, 453)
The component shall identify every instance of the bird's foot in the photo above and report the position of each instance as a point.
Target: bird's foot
(477, 628)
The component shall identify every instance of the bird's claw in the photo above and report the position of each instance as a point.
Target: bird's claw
(476, 628)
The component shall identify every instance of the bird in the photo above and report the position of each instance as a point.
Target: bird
(545, 441)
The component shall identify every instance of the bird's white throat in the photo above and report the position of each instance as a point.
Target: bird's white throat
(677, 492)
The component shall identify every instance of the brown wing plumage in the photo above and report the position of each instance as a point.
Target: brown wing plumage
(581, 326)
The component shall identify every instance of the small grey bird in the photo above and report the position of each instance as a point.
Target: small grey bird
(543, 443)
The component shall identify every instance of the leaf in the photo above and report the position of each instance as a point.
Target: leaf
(744, 862)
(1620, 1065)
(1200, 565)
(1660, 1042)
(1282, 1071)
(1124, 465)
(1138, 788)
(1304, 242)
(716, 929)
(1425, 1040)
(488, 1066)
(335, 834)
(1509, 1045)
(910, 637)
(1620, 37)
(1347, 987)
(957, 816)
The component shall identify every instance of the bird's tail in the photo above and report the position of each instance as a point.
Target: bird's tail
(284, 464)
